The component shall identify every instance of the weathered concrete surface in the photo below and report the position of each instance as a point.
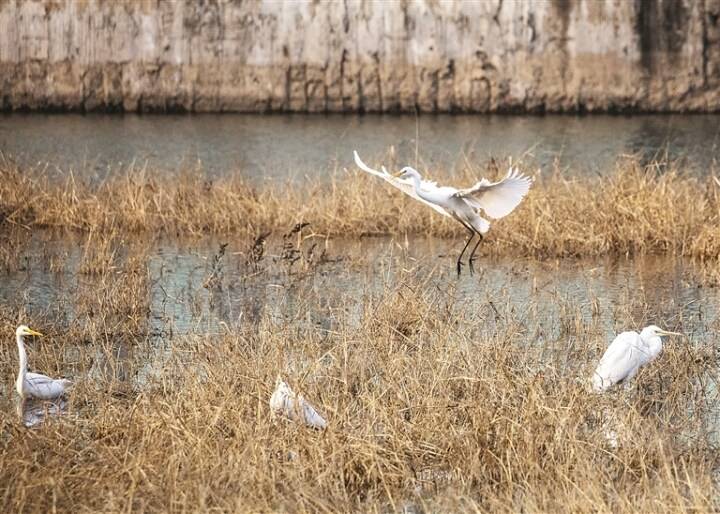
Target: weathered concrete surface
(361, 55)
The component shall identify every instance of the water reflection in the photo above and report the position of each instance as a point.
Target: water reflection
(33, 413)
(612, 292)
(95, 144)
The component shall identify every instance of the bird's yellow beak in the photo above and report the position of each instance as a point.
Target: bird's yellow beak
(32, 332)
(398, 174)
(667, 333)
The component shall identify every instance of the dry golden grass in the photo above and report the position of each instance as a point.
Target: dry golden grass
(429, 406)
(635, 209)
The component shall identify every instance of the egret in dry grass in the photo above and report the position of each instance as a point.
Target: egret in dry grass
(284, 402)
(626, 354)
(35, 385)
(494, 199)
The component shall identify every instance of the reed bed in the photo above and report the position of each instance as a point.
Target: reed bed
(638, 208)
(430, 408)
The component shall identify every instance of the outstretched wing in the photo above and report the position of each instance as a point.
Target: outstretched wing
(619, 361)
(497, 199)
(406, 186)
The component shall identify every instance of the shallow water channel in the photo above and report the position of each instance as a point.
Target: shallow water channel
(329, 280)
(277, 146)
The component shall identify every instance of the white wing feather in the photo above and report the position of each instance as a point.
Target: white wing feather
(284, 402)
(621, 360)
(498, 199)
(44, 387)
(406, 186)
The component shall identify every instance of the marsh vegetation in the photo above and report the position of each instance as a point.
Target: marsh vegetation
(639, 208)
(175, 305)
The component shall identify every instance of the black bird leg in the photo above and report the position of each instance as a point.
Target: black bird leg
(472, 258)
(459, 261)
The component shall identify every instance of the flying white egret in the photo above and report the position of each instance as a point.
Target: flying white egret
(495, 199)
(35, 385)
(284, 402)
(626, 354)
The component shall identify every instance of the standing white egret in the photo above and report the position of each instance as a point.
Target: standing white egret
(35, 385)
(495, 199)
(626, 354)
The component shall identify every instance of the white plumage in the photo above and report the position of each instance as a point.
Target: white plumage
(498, 199)
(494, 199)
(35, 385)
(284, 402)
(626, 354)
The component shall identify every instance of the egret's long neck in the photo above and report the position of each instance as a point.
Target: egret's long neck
(655, 345)
(416, 182)
(23, 356)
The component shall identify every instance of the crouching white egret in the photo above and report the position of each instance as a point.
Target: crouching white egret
(284, 402)
(495, 199)
(626, 354)
(35, 385)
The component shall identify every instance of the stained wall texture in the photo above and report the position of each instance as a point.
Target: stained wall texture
(360, 55)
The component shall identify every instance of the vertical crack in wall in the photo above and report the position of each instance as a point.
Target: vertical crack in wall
(705, 42)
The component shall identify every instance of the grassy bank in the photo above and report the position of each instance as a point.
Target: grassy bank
(633, 210)
(430, 406)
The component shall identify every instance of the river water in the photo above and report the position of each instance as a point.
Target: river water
(261, 146)
(330, 282)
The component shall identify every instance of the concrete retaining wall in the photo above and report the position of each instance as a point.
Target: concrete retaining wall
(360, 55)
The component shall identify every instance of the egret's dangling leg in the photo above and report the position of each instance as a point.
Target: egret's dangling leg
(472, 258)
(459, 261)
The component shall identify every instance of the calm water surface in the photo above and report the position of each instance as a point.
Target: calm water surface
(334, 289)
(277, 146)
